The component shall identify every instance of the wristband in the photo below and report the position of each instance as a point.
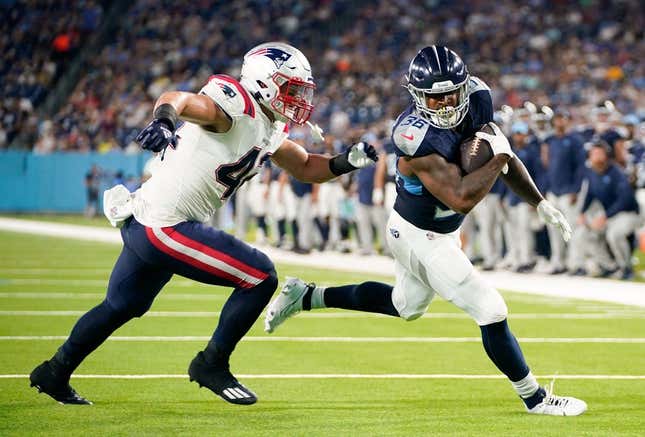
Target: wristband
(167, 114)
(339, 165)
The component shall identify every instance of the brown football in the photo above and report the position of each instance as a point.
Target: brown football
(475, 152)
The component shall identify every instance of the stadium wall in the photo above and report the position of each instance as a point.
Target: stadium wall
(56, 182)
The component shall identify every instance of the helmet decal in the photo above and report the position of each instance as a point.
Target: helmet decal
(278, 56)
(279, 76)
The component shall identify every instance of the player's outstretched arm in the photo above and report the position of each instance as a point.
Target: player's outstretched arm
(315, 168)
(520, 181)
(173, 105)
(445, 181)
(196, 108)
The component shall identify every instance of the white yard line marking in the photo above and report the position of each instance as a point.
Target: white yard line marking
(146, 338)
(621, 292)
(305, 315)
(80, 282)
(76, 313)
(344, 376)
(58, 295)
(41, 271)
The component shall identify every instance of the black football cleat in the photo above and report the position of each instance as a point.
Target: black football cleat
(47, 381)
(220, 381)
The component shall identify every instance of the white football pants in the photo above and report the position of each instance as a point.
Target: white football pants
(427, 263)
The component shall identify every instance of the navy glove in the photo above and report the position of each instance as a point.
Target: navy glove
(156, 136)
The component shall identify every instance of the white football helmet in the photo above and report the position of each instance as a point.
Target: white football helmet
(279, 76)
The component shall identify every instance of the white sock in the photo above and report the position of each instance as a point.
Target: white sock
(318, 298)
(527, 386)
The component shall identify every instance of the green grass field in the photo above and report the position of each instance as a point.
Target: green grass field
(46, 283)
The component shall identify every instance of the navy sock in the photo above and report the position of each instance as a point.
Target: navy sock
(504, 351)
(282, 228)
(535, 399)
(239, 313)
(92, 329)
(262, 224)
(323, 228)
(373, 297)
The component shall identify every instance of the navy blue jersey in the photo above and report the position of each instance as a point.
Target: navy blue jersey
(300, 188)
(612, 189)
(530, 156)
(413, 136)
(365, 182)
(567, 158)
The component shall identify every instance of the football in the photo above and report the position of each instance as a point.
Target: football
(475, 152)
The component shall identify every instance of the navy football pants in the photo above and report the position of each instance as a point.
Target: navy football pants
(151, 256)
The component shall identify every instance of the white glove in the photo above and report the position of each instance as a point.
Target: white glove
(498, 143)
(117, 205)
(361, 155)
(316, 132)
(552, 216)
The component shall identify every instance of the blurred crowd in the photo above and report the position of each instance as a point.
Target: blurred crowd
(38, 39)
(550, 52)
(581, 60)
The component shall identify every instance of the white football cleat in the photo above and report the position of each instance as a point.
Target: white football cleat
(553, 405)
(287, 304)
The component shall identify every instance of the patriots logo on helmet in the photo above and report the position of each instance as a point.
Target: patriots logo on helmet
(278, 56)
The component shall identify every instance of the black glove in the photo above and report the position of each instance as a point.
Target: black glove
(156, 136)
(357, 156)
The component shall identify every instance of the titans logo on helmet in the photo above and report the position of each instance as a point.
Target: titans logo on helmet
(278, 56)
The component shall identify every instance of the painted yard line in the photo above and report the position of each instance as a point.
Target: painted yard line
(81, 282)
(622, 292)
(344, 376)
(66, 270)
(145, 338)
(304, 315)
(58, 295)
(76, 313)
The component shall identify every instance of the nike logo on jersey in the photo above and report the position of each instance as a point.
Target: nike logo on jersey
(408, 137)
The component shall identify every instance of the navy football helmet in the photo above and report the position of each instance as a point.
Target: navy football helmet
(439, 70)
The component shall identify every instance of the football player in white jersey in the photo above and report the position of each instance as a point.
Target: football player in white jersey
(230, 128)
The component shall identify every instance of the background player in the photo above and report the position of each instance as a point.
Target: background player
(230, 129)
(423, 228)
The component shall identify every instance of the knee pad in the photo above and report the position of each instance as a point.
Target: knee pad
(411, 298)
(481, 301)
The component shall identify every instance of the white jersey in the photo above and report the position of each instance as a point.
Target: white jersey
(205, 168)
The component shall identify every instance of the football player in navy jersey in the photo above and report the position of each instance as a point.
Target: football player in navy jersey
(433, 195)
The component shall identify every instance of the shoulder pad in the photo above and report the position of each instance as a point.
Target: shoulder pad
(229, 95)
(408, 133)
(476, 84)
(481, 103)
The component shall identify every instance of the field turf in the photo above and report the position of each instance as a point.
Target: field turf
(46, 283)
